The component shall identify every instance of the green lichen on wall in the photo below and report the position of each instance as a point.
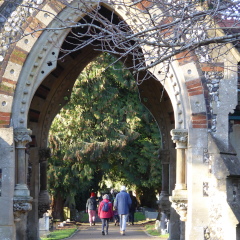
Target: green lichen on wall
(6, 89)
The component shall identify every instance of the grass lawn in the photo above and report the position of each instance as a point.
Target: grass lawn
(60, 234)
(84, 217)
(150, 229)
(139, 217)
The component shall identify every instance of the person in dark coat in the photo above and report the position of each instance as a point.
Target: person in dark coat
(105, 216)
(91, 207)
(133, 208)
(122, 203)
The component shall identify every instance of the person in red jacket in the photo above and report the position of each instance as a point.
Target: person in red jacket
(105, 212)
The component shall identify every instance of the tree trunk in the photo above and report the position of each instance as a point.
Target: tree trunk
(147, 197)
(57, 207)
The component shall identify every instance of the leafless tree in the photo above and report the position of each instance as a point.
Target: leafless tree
(153, 32)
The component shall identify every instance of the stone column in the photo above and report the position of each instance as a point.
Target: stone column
(180, 137)
(21, 137)
(22, 202)
(164, 203)
(43, 198)
(164, 156)
(179, 194)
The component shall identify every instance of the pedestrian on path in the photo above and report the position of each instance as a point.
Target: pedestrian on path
(132, 209)
(123, 203)
(105, 212)
(91, 207)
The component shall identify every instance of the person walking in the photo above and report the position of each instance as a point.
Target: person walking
(116, 217)
(91, 207)
(122, 203)
(105, 212)
(132, 209)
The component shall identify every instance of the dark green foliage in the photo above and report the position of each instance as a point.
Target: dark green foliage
(103, 130)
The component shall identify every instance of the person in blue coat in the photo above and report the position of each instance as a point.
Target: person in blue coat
(123, 203)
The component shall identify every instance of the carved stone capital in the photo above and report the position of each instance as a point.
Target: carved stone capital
(180, 137)
(21, 206)
(43, 203)
(22, 137)
(164, 203)
(180, 203)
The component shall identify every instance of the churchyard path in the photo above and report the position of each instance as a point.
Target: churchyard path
(133, 232)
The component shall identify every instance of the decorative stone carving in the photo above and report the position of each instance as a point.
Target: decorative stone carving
(181, 209)
(164, 203)
(22, 137)
(43, 203)
(180, 203)
(21, 205)
(180, 137)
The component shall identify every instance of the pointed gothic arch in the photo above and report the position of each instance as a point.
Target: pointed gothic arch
(38, 83)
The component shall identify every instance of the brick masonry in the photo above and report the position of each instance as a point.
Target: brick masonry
(194, 87)
(186, 57)
(4, 119)
(18, 56)
(199, 120)
(212, 67)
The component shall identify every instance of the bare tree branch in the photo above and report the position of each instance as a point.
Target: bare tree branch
(152, 33)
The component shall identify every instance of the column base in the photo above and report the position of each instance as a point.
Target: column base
(180, 186)
(21, 190)
(179, 203)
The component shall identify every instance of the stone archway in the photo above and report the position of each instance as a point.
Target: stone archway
(32, 75)
(51, 92)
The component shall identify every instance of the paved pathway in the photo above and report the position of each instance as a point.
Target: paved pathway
(134, 232)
